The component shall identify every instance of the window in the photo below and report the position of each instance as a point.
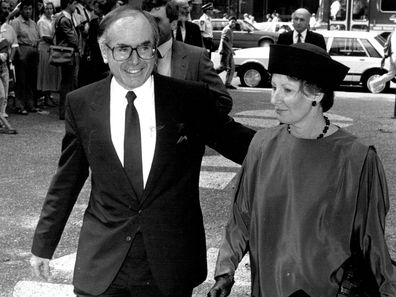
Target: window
(388, 5)
(347, 47)
(370, 48)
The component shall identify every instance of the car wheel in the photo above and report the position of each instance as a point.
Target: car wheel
(253, 76)
(265, 43)
(370, 76)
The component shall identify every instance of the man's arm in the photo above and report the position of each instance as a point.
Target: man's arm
(62, 194)
(71, 38)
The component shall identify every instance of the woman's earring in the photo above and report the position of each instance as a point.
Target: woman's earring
(314, 103)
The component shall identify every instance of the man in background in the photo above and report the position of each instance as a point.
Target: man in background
(301, 32)
(205, 25)
(227, 52)
(187, 31)
(181, 60)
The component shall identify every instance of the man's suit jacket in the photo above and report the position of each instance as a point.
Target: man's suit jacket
(193, 34)
(312, 37)
(168, 214)
(193, 63)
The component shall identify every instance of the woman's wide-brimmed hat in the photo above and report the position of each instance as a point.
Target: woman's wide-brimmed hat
(307, 62)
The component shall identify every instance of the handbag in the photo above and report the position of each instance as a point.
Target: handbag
(60, 55)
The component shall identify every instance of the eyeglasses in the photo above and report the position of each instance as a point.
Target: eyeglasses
(124, 52)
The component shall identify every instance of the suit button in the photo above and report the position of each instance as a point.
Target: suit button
(140, 211)
(128, 238)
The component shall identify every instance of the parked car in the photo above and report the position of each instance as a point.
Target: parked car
(245, 34)
(278, 27)
(362, 52)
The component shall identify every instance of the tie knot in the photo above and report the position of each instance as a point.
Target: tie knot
(131, 96)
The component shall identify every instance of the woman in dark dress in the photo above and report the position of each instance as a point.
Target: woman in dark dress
(311, 199)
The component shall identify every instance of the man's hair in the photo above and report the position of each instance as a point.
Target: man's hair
(123, 12)
(171, 7)
(303, 11)
(26, 3)
(65, 3)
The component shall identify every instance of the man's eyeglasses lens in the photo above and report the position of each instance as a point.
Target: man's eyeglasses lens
(123, 52)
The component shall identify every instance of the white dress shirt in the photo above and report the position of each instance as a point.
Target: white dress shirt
(303, 35)
(145, 106)
(164, 62)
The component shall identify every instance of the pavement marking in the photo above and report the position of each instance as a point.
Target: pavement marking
(215, 179)
(62, 271)
(41, 289)
(218, 161)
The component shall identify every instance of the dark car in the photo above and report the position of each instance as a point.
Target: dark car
(245, 34)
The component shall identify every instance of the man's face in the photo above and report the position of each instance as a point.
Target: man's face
(209, 12)
(184, 11)
(5, 7)
(164, 25)
(26, 12)
(300, 21)
(232, 23)
(72, 6)
(133, 72)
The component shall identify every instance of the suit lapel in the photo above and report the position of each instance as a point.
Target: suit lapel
(179, 61)
(101, 135)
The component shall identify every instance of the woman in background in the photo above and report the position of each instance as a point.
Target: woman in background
(48, 77)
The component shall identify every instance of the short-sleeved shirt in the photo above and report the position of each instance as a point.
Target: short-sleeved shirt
(205, 25)
(27, 31)
(45, 26)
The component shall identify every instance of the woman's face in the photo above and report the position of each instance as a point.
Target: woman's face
(290, 103)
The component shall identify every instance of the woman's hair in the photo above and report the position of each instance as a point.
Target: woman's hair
(308, 88)
(52, 4)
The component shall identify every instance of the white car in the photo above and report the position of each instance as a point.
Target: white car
(361, 51)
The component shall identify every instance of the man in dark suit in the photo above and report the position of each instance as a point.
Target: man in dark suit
(181, 60)
(301, 31)
(187, 31)
(142, 137)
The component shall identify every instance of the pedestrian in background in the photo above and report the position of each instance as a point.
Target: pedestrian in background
(187, 31)
(205, 25)
(301, 32)
(377, 83)
(227, 52)
(142, 136)
(66, 35)
(6, 33)
(181, 60)
(26, 59)
(311, 199)
(48, 77)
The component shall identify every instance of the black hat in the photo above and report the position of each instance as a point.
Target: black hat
(207, 6)
(308, 62)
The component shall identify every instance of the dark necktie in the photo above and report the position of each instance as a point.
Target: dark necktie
(299, 38)
(179, 35)
(132, 146)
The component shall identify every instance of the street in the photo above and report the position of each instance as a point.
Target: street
(29, 159)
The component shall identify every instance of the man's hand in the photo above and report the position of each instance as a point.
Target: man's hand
(40, 267)
(222, 287)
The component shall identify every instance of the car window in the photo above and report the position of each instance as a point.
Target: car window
(219, 25)
(347, 47)
(370, 48)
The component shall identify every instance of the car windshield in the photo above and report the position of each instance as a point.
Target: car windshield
(381, 38)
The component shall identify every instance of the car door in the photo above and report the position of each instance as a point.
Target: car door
(243, 35)
(350, 52)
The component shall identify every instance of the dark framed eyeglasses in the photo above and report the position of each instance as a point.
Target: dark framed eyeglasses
(124, 52)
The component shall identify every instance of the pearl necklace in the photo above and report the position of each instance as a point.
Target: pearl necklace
(325, 129)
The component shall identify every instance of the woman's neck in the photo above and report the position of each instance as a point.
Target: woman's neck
(310, 128)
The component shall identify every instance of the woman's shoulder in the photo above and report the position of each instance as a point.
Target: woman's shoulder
(267, 135)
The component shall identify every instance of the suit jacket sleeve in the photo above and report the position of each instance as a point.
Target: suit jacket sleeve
(65, 33)
(196, 37)
(284, 38)
(316, 39)
(65, 186)
(208, 75)
(373, 205)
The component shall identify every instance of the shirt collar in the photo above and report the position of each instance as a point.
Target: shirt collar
(139, 91)
(165, 47)
(23, 20)
(67, 14)
(303, 34)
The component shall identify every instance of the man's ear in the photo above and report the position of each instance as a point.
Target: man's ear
(173, 25)
(103, 50)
